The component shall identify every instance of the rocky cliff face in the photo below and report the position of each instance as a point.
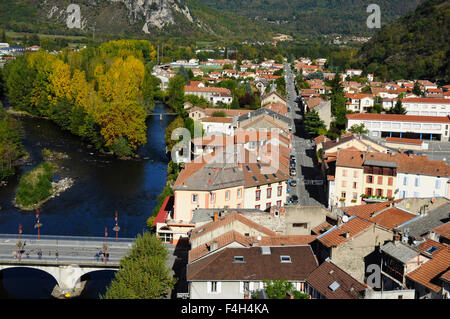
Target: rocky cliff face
(144, 14)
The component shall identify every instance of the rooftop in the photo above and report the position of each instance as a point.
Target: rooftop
(255, 266)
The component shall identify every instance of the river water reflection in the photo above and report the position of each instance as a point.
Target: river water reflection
(103, 185)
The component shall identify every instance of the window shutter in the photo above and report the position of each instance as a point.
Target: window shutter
(241, 287)
(251, 286)
(219, 287)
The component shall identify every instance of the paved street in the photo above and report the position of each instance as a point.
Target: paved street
(70, 249)
(310, 188)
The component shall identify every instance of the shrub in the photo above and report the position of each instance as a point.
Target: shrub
(35, 185)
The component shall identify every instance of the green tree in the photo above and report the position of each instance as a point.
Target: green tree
(416, 90)
(120, 147)
(19, 83)
(358, 129)
(143, 273)
(397, 108)
(279, 289)
(175, 93)
(313, 123)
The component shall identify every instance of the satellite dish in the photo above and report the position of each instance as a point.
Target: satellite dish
(344, 218)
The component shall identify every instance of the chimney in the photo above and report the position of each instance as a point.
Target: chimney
(347, 234)
(216, 216)
(213, 246)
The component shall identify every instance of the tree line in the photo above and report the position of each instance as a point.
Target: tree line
(102, 94)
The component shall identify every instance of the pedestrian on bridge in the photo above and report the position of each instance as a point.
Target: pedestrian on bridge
(14, 254)
(56, 254)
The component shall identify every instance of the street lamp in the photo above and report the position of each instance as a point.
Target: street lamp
(116, 228)
(105, 246)
(38, 223)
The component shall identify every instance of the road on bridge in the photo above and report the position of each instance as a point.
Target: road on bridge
(63, 250)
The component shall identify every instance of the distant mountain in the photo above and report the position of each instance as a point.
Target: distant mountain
(171, 18)
(346, 17)
(415, 46)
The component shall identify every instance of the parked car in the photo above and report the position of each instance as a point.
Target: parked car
(293, 172)
(294, 199)
(293, 182)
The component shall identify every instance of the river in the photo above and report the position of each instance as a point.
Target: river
(102, 186)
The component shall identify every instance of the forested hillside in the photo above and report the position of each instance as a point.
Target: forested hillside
(346, 17)
(416, 46)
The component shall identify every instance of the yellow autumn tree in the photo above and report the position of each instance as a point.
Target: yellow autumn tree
(60, 82)
(122, 118)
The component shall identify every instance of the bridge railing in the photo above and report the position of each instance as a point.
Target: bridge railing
(67, 238)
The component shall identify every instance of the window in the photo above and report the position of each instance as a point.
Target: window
(194, 198)
(238, 259)
(213, 286)
(355, 195)
(390, 181)
(343, 194)
(370, 179)
(213, 197)
(278, 203)
(344, 172)
(389, 193)
(258, 207)
(300, 225)
(405, 180)
(380, 180)
(344, 183)
(437, 184)
(285, 259)
(355, 174)
(355, 184)
(268, 205)
(280, 190)
(269, 192)
(379, 192)
(417, 182)
(369, 191)
(239, 192)
(258, 194)
(227, 195)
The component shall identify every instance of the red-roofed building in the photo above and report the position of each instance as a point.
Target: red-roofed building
(349, 243)
(434, 128)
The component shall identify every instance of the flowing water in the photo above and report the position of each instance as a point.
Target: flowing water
(102, 186)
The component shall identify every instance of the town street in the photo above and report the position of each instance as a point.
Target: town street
(310, 187)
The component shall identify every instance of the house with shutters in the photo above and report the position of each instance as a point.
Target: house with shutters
(239, 273)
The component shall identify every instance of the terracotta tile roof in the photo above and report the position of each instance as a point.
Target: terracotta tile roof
(210, 89)
(278, 107)
(321, 228)
(398, 117)
(229, 219)
(443, 230)
(336, 236)
(428, 243)
(285, 240)
(257, 267)
(404, 140)
(328, 273)
(229, 112)
(221, 241)
(217, 119)
(380, 214)
(427, 100)
(446, 276)
(428, 275)
(347, 158)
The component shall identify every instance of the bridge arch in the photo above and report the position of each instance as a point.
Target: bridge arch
(67, 277)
